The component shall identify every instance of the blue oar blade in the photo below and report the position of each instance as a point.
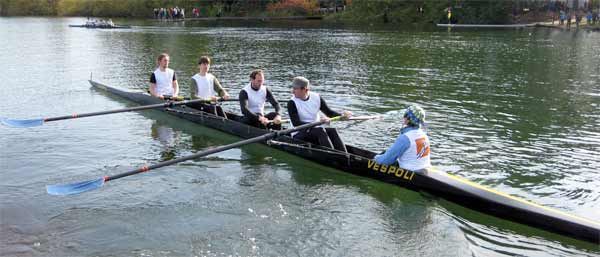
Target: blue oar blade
(21, 123)
(75, 188)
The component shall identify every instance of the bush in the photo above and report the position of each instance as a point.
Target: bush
(26, 7)
(293, 7)
(434, 11)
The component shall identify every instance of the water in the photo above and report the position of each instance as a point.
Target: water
(516, 110)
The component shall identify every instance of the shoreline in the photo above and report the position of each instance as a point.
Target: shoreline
(546, 24)
(248, 18)
(582, 25)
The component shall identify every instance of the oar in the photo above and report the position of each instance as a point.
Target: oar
(219, 99)
(372, 117)
(38, 122)
(84, 186)
(281, 121)
(181, 98)
(360, 119)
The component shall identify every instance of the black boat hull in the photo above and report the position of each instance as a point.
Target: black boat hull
(359, 162)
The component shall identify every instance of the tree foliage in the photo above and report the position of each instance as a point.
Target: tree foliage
(428, 11)
(293, 7)
(27, 7)
(132, 8)
(393, 11)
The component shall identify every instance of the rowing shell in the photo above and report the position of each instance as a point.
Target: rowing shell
(360, 162)
(101, 26)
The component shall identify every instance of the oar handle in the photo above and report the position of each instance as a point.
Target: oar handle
(220, 99)
(281, 121)
(181, 98)
(175, 98)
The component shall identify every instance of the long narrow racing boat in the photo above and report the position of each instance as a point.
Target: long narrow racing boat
(359, 162)
(101, 26)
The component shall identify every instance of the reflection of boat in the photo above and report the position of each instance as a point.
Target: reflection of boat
(101, 26)
(359, 162)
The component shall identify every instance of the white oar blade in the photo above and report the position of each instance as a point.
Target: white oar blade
(21, 123)
(75, 188)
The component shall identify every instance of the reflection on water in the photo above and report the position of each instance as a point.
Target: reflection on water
(516, 110)
(169, 139)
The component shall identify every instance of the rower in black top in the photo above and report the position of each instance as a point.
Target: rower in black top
(304, 107)
(252, 102)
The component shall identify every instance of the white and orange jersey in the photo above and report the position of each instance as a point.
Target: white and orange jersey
(411, 150)
(417, 156)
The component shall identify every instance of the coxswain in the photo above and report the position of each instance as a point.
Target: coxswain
(411, 149)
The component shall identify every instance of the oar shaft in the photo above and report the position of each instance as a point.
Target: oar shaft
(219, 99)
(365, 117)
(209, 101)
(84, 186)
(264, 137)
(137, 108)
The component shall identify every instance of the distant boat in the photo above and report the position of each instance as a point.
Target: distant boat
(101, 26)
(485, 25)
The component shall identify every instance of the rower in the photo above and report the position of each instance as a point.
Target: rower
(411, 149)
(207, 86)
(304, 107)
(252, 102)
(163, 81)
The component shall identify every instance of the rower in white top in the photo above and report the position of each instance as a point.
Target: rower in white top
(206, 86)
(252, 102)
(305, 107)
(163, 81)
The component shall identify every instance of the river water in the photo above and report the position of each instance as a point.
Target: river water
(515, 110)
